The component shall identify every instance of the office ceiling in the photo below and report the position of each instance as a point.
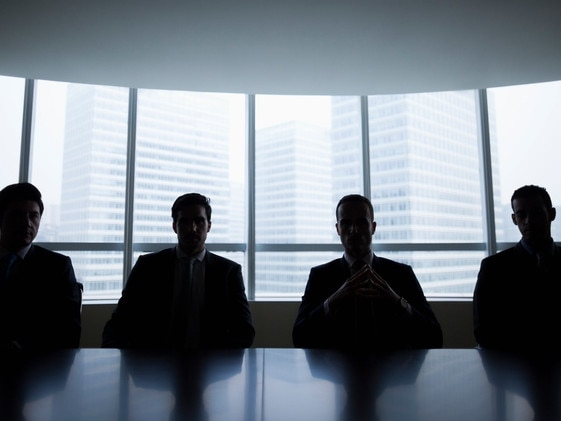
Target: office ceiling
(335, 47)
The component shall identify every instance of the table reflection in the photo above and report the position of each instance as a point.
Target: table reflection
(364, 377)
(187, 376)
(27, 377)
(279, 384)
(536, 378)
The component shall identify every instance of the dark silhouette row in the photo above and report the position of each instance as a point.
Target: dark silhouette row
(186, 297)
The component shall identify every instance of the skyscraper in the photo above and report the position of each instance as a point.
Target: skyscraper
(425, 178)
(182, 145)
(293, 200)
(424, 162)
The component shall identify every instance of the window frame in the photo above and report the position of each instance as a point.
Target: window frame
(251, 248)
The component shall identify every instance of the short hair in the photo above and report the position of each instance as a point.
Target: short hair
(531, 191)
(19, 191)
(188, 200)
(354, 198)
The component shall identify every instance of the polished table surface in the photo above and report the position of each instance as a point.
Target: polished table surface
(279, 384)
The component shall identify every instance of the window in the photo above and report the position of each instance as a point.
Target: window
(301, 169)
(79, 159)
(274, 183)
(11, 115)
(528, 147)
(189, 142)
(426, 184)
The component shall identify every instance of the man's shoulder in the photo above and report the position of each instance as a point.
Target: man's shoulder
(157, 255)
(507, 254)
(155, 260)
(40, 263)
(331, 265)
(390, 264)
(216, 259)
(39, 252)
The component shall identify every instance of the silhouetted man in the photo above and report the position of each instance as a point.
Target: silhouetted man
(40, 300)
(183, 297)
(516, 297)
(363, 301)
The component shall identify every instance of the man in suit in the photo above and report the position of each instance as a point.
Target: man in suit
(363, 301)
(183, 297)
(40, 300)
(516, 297)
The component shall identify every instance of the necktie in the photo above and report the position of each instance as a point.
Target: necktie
(185, 312)
(188, 275)
(542, 263)
(193, 305)
(6, 266)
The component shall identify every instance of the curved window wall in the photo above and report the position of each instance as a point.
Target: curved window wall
(440, 168)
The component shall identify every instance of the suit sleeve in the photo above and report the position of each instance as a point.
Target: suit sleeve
(118, 330)
(312, 326)
(487, 327)
(69, 312)
(240, 332)
(421, 325)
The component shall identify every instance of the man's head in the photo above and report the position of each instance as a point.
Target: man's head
(191, 215)
(21, 208)
(355, 224)
(533, 213)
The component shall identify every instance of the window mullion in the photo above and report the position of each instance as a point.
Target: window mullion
(486, 171)
(250, 269)
(26, 130)
(129, 189)
(365, 146)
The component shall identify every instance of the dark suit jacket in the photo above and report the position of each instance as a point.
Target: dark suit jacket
(143, 314)
(514, 307)
(41, 306)
(385, 326)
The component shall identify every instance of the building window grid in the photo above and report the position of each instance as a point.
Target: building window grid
(249, 272)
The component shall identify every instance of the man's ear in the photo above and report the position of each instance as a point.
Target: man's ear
(552, 214)
(373, 227)
(174, 226)
(209, 225)
(337, 228)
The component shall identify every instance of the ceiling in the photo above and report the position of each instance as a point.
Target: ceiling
(325, 47)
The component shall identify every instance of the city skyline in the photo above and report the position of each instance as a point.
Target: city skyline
(301, 169)
(406, 217)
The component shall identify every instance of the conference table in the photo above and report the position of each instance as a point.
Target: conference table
(279, 384)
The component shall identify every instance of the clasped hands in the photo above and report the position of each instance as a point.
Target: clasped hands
(366, 282)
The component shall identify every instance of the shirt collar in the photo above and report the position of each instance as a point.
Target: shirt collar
(549, 249)
(181, 255)
(20, 253)
(367, 258)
